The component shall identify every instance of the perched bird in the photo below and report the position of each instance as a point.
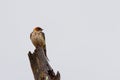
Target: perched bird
(38, 38)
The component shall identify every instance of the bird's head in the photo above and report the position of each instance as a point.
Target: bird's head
(37, 29)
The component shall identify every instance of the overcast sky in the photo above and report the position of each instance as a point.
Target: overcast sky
(82, 36)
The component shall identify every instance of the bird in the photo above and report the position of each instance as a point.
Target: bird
(38, 38)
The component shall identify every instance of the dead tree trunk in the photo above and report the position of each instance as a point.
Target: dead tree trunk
(40, 66)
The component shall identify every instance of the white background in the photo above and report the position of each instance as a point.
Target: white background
(82, 36)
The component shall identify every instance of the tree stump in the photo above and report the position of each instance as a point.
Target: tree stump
(40, 66)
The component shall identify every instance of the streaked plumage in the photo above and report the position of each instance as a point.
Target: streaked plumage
(38, 38)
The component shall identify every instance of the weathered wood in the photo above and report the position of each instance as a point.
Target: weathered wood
(40, 66)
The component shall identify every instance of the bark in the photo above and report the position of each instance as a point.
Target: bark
(40, 66)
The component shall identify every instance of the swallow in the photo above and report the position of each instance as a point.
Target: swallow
(38, 38)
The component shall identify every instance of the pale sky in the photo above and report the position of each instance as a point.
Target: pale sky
(82, 37)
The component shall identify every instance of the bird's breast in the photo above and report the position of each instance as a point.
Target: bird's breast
(37, 39)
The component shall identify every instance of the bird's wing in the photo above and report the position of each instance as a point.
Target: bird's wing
(43, 35)
(45, 44)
